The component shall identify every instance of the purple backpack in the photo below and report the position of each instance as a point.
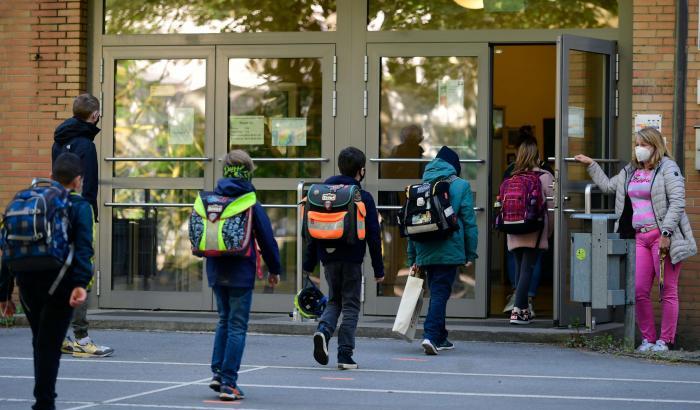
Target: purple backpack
(521, 204)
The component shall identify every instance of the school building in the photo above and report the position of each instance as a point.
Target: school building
(295, 81)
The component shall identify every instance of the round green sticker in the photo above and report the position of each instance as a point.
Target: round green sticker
(580, 254)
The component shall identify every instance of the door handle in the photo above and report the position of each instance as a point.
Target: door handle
(462, 161)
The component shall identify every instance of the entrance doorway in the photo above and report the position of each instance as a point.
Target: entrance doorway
(524, 102)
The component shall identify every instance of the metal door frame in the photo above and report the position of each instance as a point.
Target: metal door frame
(381, 305)
(565, 313)
(155, 299)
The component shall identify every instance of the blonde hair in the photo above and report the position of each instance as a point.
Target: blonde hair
(527, 157)
(654, 138)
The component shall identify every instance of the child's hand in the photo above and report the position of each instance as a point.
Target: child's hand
(273, 280)
(77, 297)
(468, 264)
(379, 280)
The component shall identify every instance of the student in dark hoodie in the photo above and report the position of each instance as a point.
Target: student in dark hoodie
(232, 279)
(76, 135)
(343, 268)
(49, 315)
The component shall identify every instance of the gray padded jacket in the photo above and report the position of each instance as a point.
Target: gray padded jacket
(667, 198)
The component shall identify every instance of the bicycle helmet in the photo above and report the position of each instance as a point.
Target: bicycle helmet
(310, 302)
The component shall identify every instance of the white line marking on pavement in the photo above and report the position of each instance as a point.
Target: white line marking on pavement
(89, 379)
(177, 386)
(418, 372)
(448, 393)
(157, 406)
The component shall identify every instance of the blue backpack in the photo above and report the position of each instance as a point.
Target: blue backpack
(35, 230)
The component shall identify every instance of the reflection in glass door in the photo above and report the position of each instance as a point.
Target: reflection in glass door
(421, 97)
(585, 123)
(157, 152)
(276, 102)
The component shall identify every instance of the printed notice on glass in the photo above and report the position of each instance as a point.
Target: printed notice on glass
(451, 93)
(163, 90)
(246, 129)
(647, 120)
(576, 118)
(181, 126)
(288, 132)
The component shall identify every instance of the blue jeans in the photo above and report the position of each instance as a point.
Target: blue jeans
(344, 288)
(233, 305)
(440, 280)
(513, 273)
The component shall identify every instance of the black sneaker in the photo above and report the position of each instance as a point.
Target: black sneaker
(445, 345)
(215, 384)
(321, 347)
(429, 348)
(520, 317)
(345, 362)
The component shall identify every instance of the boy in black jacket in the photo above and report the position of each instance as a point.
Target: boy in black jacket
(50, 315)
(77, 135)
(343, 268)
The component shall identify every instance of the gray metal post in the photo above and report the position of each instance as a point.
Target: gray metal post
(630, 296)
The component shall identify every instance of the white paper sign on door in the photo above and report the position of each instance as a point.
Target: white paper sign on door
(181, 126)
(288, 132)
(451, 92)
(647, 120)
(246, 130)
(576, 122)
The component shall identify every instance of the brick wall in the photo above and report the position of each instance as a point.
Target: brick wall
(43, 65)
(653, 69)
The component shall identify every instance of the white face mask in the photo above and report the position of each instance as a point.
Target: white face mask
(642, 154)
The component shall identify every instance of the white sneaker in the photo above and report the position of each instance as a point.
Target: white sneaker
(645, 346)
(510, 303)
(659, 347)
(531, 307)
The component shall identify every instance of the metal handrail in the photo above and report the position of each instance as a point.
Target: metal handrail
(583, 211)
(399, 207)
(157, 159)
(599, 160)
(178, 205)
(300, 196)
(463, 161)
(286, 159)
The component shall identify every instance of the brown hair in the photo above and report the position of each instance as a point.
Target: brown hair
(84, 105)
(654, 138)
(528, 156)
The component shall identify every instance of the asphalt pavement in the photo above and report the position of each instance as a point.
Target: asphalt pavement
(170, 370)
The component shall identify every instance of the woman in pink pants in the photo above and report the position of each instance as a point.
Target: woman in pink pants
(650, 205)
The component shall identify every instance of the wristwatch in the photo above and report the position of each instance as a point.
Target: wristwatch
(666, 233)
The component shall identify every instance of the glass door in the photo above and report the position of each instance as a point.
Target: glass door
(277, 103)
(420, 97)
(585, 123)
(156, 154)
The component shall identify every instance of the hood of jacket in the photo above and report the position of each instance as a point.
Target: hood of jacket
(75, 128)
(233, 187)
(341, 180)
(438, 169)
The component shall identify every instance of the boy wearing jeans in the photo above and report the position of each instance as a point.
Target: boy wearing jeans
(232, 279)
(343, 268)
(50, 314)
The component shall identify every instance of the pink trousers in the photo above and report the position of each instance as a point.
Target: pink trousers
(647, 269)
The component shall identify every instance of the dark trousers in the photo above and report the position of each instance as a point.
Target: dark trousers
(440, 280)
(80, 322)
(345, 284)
(525, 260)
(49, 318)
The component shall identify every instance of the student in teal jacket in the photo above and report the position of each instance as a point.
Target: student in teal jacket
(440, 258)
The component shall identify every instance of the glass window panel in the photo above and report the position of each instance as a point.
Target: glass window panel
(150, 246)
(284, 226)
(275, 109)
(427, 102)
(218, 16)
(586, 109)
(159, 111)
(395, 257)
(491, 14)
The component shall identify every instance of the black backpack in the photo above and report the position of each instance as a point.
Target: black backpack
(334, 215)
(427, 214)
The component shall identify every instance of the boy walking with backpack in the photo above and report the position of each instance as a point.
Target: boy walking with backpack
(439, 258)
(238, 221)
(77, 135)
(53, 266)
(342, 259)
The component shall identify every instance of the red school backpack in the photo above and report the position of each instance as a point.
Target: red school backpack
(520, 204)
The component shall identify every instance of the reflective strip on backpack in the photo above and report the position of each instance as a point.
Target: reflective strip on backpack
(421, 228)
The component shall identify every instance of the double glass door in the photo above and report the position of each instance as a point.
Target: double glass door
(170, 116)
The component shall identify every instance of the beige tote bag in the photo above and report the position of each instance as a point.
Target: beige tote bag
(410, 306)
